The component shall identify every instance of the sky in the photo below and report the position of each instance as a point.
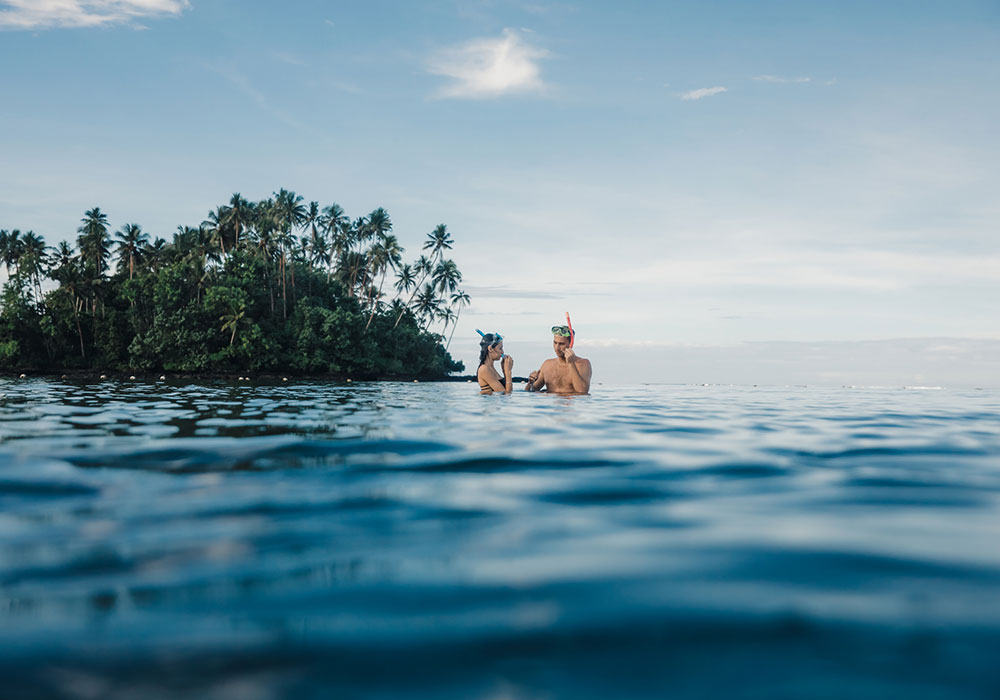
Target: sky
(718, 191)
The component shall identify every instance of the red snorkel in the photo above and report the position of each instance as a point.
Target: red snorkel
(572, 334)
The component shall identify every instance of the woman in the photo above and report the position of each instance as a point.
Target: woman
(490, 381)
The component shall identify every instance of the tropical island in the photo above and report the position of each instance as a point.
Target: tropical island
(278, 285)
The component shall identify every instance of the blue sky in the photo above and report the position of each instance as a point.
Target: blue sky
(679, 175)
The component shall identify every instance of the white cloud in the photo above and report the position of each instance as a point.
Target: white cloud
(780, 79)
(44, 14)
(288, 58)
(702, 92)
(486, 68)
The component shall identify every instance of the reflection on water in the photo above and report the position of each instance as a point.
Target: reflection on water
(387, 540)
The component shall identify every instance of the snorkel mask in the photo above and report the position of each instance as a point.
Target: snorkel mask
(565, 331)
(497, 338)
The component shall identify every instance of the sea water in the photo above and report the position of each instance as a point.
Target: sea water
(249, 540)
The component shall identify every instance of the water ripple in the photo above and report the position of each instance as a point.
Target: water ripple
(307, 539)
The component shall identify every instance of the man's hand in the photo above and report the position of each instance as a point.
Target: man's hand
(569, 355)
(532, 378)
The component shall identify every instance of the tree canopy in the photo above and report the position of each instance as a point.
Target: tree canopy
(278, 285)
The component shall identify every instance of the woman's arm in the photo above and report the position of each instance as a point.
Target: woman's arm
(508, 370)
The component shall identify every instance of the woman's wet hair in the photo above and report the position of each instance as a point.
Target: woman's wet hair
(485, 343)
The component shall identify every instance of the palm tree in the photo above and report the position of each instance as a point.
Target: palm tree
(30, 260)
(423, 267)
(387, 254)
(131, 239)
(438, 241)
(311, 221)
(153, 254)
(290, 213)
(10, 248)
(196, 246)
(444, 313)
(94, 241)
(264, 229)
(447, 276)
(231, 321)
(358, 234)
(238, 216)
(95, 248)
(68, 272)
(319, 253)
(405, 279)
(459, 300)
(217, 228)
(61, 259)
(334, 223)
(379, 225)
(428, 303)
(284, 240)
(7, 248)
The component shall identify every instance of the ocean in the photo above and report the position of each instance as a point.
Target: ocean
(164, 539)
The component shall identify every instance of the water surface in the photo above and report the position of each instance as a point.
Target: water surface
(419, 540)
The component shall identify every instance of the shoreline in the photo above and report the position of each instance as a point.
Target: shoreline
(119, 375)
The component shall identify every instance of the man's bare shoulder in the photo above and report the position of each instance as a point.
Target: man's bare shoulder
(549, 362)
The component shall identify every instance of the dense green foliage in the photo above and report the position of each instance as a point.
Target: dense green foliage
(276, 285)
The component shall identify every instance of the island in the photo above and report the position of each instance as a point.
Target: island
(272, 286)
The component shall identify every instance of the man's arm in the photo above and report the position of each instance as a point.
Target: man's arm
(580, 372)
(535, 380)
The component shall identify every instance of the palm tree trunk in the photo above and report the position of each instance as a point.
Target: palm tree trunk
(270, 289)
(410, 300)
(457, 316)
(374, 301)
(79, 331)
(284, 297)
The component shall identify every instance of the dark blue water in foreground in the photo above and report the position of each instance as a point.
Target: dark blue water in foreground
(167, 539)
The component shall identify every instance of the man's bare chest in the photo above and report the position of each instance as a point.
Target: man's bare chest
(557, 374)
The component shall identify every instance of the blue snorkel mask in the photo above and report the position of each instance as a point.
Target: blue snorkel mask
(497, 338)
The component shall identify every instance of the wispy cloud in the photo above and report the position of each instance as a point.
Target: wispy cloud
(779, 79)
(46, 14)
(487, 68)
(288, 58)
(702, 92)
(240, 81)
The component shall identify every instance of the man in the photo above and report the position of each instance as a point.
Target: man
(566, 373)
